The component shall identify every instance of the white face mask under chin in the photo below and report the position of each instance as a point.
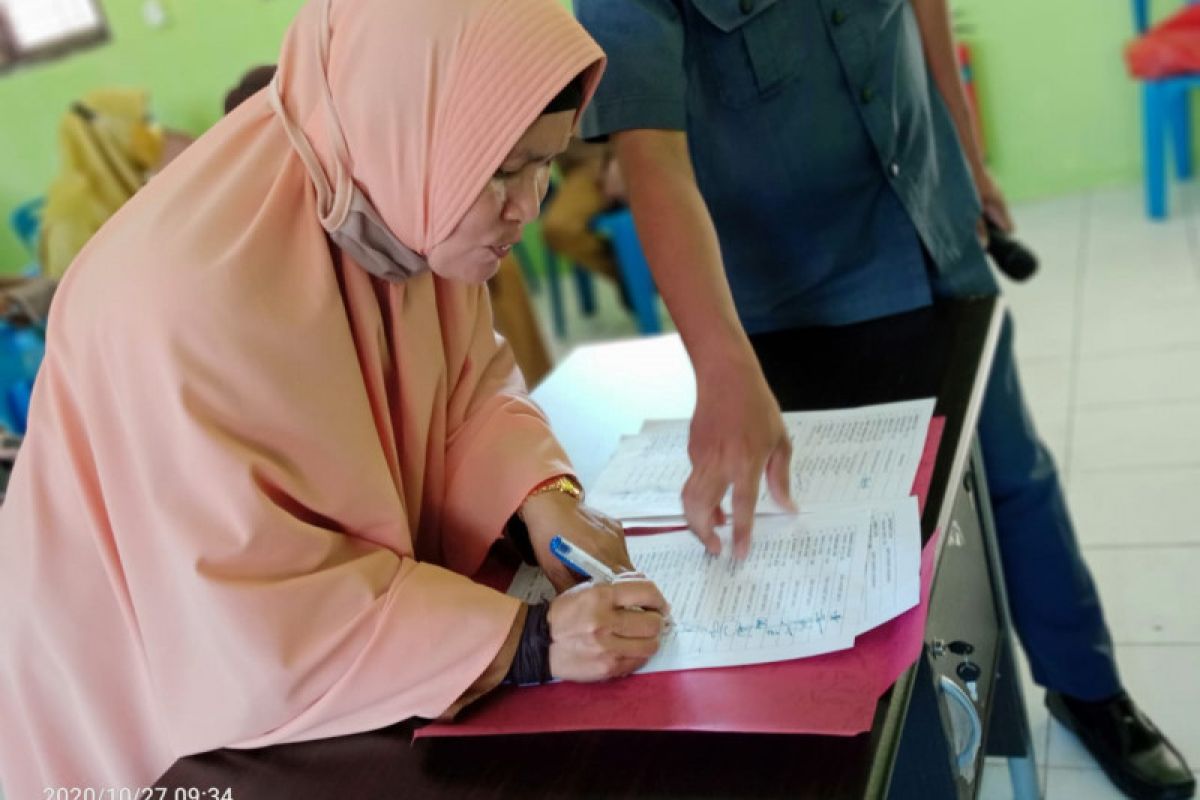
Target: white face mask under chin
(364, 237)
(347, 216)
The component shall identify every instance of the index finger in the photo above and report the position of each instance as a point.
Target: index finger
(702, 494)
(779, 474)
(745, 498)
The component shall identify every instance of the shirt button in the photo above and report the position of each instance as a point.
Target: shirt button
(746, 6)
(894, 169)
(838, 16)
(867, 94)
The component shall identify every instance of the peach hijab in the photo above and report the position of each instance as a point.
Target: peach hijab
(256, 473)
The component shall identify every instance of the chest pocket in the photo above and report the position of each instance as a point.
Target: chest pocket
(747, 49)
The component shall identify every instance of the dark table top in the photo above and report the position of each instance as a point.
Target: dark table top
(942, 351)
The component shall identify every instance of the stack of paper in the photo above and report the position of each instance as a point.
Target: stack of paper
(842, 457)
(810, 585)
(813, 581)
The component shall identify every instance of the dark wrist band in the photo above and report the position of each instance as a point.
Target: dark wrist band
(518, 536)
(531, 665)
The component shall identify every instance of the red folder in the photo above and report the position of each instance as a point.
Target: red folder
(830, 694)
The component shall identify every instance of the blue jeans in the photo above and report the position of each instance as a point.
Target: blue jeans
(1055, 608)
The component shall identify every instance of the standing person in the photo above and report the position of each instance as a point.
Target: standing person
(275, 432)
(811, 162)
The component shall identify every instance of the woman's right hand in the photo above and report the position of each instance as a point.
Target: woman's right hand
(602, 631)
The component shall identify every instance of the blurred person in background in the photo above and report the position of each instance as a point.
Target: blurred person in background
(251, 83)
(591, 184)
(109, 146)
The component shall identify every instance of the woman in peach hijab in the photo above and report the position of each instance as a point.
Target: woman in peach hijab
(274, 429)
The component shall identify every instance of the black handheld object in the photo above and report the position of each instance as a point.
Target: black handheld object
(1012, 258)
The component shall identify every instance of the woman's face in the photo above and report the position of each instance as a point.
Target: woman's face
(512, 197)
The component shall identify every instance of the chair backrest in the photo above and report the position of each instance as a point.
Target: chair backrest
(26, 220)
(1141, 14)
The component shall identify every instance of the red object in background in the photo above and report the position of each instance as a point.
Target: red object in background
(1171, 47)
(968, 80)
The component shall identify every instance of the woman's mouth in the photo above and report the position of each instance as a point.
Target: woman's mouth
(500, 251)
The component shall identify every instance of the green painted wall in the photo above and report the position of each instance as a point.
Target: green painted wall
(187, 66)
(1060, 113)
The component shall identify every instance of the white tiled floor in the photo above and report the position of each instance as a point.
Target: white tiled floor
(1108, 339)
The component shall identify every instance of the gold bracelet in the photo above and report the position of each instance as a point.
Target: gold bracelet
(563, 483)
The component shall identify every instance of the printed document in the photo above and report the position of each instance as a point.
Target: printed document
(841, 457)
(809, 585)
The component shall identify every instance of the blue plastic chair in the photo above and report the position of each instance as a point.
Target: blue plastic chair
(1166, 114)
(618, 227)
(21, 352)
(26, 221)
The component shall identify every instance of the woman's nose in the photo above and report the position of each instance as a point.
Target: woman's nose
(525, 197)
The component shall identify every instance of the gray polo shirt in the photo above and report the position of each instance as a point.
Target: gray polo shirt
(822, 149)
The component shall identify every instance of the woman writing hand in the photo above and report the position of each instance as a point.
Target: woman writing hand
(590, 631)
(601, 631)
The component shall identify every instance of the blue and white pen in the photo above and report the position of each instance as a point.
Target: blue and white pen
(584, 563)
(580, 561)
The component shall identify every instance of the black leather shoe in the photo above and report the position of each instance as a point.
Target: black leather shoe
(1127, 746)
